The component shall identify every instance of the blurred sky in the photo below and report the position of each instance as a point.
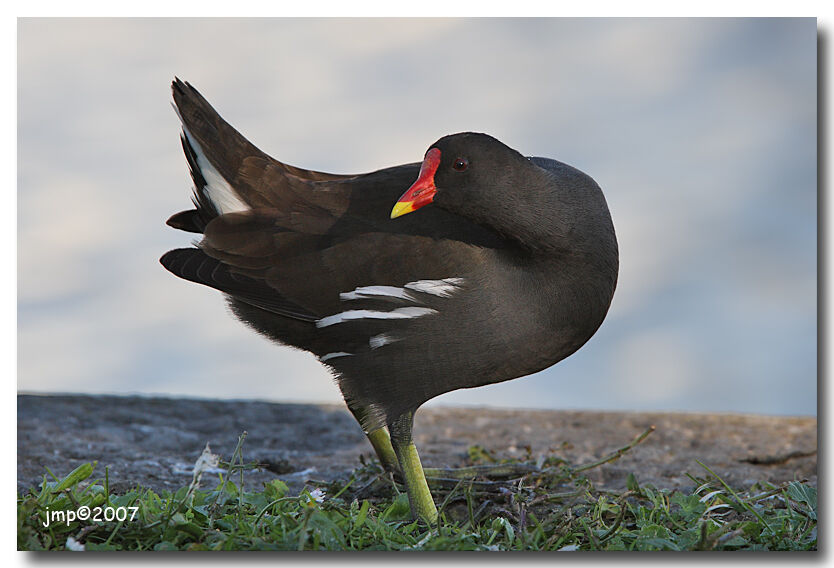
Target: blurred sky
(702, 134)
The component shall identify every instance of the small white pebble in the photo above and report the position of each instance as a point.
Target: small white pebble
(74, 545)
(568, 548)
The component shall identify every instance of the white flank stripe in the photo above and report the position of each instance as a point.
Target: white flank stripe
(364, 292)
(443, 288)
(399, 313)
(378, 341)
(324, 358)
(224, 197)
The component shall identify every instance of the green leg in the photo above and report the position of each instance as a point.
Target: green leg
(384, 450)
(388, 459)
(419, 496)
(379, 439)
(381, 442)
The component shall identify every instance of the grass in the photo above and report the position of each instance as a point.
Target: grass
(551, 506)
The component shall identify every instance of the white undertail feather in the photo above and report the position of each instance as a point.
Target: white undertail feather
(218, 190)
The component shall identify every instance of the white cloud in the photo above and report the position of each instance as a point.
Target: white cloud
(688, 126)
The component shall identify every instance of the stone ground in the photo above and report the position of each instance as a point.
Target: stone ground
(154, 442)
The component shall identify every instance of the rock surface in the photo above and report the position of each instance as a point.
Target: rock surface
(154, 442)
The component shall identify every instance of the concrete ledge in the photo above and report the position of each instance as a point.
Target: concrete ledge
(154, 442)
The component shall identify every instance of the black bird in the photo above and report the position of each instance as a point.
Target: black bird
(509, 268)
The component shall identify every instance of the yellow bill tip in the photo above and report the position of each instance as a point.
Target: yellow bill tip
(401, 208)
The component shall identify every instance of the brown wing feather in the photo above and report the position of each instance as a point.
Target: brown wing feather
(313, 269)
(258, 178)
(194, 265)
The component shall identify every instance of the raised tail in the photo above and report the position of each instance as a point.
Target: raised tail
(230, 174)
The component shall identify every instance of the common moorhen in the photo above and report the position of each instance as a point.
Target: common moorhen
(511, 269)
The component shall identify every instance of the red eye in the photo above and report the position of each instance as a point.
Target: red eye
(460, 164)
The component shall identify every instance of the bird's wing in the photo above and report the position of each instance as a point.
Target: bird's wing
(290, 240)
(315, 269)
(196, 266)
